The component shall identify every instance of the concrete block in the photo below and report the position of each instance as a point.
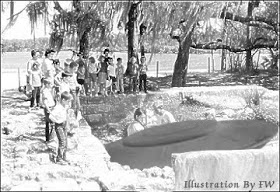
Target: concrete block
(254, 169)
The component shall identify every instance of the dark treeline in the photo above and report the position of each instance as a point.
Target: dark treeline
(163, 45)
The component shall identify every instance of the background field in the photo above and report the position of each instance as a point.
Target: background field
(11, 61)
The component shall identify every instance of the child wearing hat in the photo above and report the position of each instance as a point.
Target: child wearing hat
(35, 82)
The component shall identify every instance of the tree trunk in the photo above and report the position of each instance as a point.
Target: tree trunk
(84, 49)
(132, 34)
(181, 63)
(249, 62)
(84, 43)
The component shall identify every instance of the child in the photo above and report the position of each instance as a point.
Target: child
(35, 82)
(119, 75)
(59, 116)
(143, 68)
(48, 103)
(64, 85)
(93, 69)
(102, 76)
(81, 76)
(138, 124)
(74, 87)
(112, 75)
(134, 74)
(57, 78)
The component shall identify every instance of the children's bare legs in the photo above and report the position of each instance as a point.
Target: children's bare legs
(103, 90)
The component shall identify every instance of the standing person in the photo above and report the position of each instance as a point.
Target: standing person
(162, 115)
(48, 103)
(64, 85)
(143, 68)
(82, 61)
(59, 116)
(112, 75)
(35, 82)
(35, 55)
(119, 75)
(57, 78)
(93, 69)
(81, 76)
(138, 123)
(134, 74)
(74, 87)
(48, 68)
(102, 76)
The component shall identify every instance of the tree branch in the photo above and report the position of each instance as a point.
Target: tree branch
(230, 16)
(215, 46)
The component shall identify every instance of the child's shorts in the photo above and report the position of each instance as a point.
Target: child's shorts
(93, 77)
(114, 79)
(102, 77)
(81, 81)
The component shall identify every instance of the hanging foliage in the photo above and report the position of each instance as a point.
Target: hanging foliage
(35, 11)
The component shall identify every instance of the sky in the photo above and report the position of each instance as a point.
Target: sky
(22, 28)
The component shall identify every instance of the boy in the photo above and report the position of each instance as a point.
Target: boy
(64, 85)
(48, 68)
(81, 76)
(57, 78)
(134, 74)
(112, 75)
(119, 75)
(102, 75)
(138, 123)
(48, 103)
(59, 116)
(93, 69)
(163, 116)
(35, 82)
(143, 68)
(74, 87)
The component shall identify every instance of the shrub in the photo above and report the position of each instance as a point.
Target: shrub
(252, 97)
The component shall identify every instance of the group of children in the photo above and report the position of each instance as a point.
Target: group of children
(56, 90)
(53, 87)
(106, 77)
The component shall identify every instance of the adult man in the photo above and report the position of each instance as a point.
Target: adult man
(162, 115)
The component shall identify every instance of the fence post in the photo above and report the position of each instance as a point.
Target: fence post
(18, 77)
(213, 65)
(208, 65)
(157, 67)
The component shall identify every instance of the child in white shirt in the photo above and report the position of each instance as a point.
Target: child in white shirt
(35, 82)
(48, 102)
(112, 75)
(59, 116)
(93, 69)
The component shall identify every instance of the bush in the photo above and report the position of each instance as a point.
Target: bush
(252, 97)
